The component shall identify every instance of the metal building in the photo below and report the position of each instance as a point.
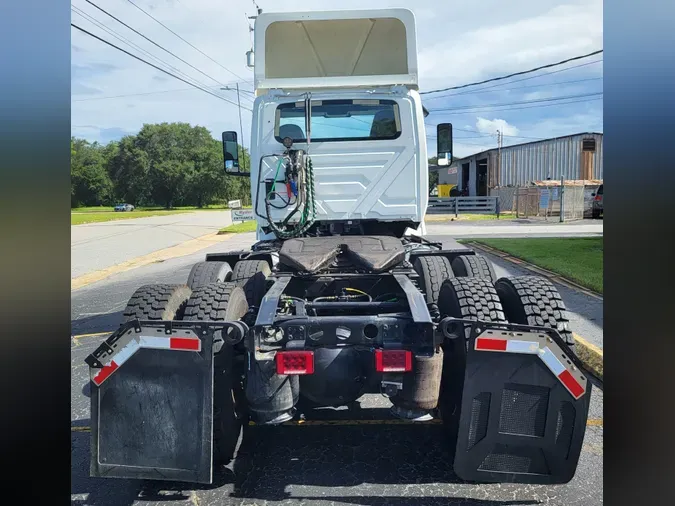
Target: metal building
(577, 156)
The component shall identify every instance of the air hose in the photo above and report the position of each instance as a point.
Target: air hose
(305, 198)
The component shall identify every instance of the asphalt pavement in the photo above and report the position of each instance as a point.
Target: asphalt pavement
(513, 228)
(95, 246)
(317, 465)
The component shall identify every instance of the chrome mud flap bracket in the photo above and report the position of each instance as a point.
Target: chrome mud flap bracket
(152, 400)
(524, 406)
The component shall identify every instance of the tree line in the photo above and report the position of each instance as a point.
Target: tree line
(167, 164)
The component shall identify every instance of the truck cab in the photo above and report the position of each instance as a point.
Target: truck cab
(356, 72)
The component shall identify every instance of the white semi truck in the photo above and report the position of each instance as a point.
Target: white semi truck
(341, 295)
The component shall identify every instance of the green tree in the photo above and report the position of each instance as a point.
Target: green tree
(433, 174)
(171, 164)
(90, 183)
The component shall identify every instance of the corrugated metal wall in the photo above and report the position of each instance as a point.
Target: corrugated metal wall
(540, 160)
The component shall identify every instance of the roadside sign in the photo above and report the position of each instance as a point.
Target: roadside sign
(234, 204)
(555, 195)
(242, 214)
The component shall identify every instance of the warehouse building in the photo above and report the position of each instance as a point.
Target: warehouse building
(574, 157)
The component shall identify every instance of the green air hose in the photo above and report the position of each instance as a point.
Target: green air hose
(308, 214)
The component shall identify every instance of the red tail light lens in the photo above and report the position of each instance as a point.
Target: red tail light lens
(393, 361)
(295, 362)
(598, 197)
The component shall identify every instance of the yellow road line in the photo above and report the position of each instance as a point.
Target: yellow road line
(95, 334)
(185, 248)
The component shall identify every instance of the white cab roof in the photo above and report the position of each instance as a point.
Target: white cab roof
(324, 49)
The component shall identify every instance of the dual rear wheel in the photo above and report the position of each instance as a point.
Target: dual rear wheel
(214, 292)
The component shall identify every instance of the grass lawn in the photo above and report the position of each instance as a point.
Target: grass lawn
(97, 217)
(577, 259)
(238, 228)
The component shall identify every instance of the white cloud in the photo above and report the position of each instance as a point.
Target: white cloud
(490, 126)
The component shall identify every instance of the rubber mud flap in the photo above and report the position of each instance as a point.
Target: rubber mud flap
(518, 422)
(152, 417)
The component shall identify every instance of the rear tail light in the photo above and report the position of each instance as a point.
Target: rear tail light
(598, 197)
(393, 361)
(295, 362)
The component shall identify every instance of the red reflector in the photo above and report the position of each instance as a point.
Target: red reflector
(572, 385)
(106, 371)
(295, 362)
(393, 361)
(484, 343)
(184, 343)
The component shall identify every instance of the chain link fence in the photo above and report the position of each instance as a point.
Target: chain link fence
(549, 201)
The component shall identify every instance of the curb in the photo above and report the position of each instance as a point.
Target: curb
(589, 354)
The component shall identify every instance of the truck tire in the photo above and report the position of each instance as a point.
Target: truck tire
(432, 270)
(157, 302)
(222, 302)
(473, 266)
(203, 273)
(470, 299)
(533, 300)
(252, 276)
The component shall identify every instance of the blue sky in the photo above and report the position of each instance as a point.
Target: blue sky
(458, 42)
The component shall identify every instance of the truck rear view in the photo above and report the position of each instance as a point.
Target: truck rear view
(341, 295)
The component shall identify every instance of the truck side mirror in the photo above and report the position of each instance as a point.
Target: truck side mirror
(231, 154)
(444, 143)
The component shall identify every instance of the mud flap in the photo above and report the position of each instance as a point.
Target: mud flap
(152, 403)
(524, 408)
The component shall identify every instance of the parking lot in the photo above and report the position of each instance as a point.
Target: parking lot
(339, 458)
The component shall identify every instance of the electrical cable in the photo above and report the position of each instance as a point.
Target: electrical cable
(552, 99)
(188, 43)
(131, 44)
(152, 41)
(490, 90)
(155, 66)
(512, 75)
(520, 80)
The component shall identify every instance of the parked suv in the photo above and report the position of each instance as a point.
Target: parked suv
(597, 203)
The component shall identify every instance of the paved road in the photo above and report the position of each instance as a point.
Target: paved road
(514, 228)
(96, 246)
(346, 465)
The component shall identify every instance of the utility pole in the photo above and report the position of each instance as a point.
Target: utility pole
(241, 126)
(499, 157)
(241, 131)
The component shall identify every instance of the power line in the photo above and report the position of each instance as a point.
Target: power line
(486, 90)
(512, 75)
(490, 106)
(152, 41)
(188, 43)
(465, 113)
(138, 94)
(518, 80)
(155, 66)
(131, 44)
